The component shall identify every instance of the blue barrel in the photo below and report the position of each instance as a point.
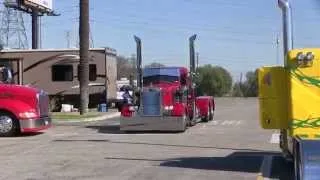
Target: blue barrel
(102, 108)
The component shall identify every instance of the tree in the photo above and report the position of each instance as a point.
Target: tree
(126, 67)
(249, 88)
(213, 80)
(237, 90)
(251, 84)
(84, 56)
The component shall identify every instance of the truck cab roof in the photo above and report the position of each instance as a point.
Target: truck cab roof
(170, 71)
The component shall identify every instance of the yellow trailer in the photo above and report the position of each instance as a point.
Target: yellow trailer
(289, 99)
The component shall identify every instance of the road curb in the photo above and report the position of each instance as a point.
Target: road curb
(265, 169)
(99, 118)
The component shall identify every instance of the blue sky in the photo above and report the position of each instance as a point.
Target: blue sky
(238, 35)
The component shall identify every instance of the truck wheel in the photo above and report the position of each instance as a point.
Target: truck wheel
(207, 117)
(211, 114)
(185, 123)
(119, 108)
(9, 125)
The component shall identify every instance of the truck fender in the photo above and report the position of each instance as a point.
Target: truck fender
(179, 110)
(15, 107)
(203, 107)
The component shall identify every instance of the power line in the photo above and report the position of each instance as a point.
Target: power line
(205, 28)
(198, 27)
(218, 5)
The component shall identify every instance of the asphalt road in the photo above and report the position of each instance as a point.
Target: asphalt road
(233, 146)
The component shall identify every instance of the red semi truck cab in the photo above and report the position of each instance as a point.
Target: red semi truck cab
(166, 98)
(166, 101)
(22, 108)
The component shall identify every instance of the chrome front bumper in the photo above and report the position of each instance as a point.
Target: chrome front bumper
(33, 125)
(152, 123)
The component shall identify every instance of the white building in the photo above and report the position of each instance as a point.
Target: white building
(124, 81)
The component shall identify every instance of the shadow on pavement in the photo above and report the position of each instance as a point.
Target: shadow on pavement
(81, 140)
(164, 145)
(250, 162)
(24, 135)
(282, 169)
(31, 134)
(115, 129)
(240, 161)
(243, 160)
(106, 129)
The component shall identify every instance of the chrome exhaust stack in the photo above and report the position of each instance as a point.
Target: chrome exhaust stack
(139, 62)
(287, 26)
(193, 70)
(192, 54)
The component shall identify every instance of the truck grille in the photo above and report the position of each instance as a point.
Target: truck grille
(43, 100)
(151, 102)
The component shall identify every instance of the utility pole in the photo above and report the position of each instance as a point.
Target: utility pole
(240, 85)
(35, 29)
(84, 56)
(197, 60)
(40, 32)
(68, 39)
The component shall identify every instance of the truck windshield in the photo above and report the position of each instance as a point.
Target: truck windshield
(159, 78)
(157, 75)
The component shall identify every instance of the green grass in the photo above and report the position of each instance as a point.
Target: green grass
(73, 115)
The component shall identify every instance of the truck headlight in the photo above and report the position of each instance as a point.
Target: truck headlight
(300, 57)
(168, 108)
(131, 108)
(27, 115)
(305, 59)
(38, 102)
(309, 56)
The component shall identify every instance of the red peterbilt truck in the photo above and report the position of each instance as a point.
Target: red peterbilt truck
(22, 108)
(166, 98)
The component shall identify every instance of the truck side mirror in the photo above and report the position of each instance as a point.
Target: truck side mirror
(6, 75)
(183, 81)
(178, 93)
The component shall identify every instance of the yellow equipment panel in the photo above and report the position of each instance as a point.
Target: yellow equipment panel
(304, 95)
(273, 97)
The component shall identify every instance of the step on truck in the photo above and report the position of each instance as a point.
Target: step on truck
(289, 98)
(165, 99)
(23, 109)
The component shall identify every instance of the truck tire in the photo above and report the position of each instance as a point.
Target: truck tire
(211, 114)
(207, 117)
(193, 120)
(9, 125)
(119, 106)
(185, 123)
